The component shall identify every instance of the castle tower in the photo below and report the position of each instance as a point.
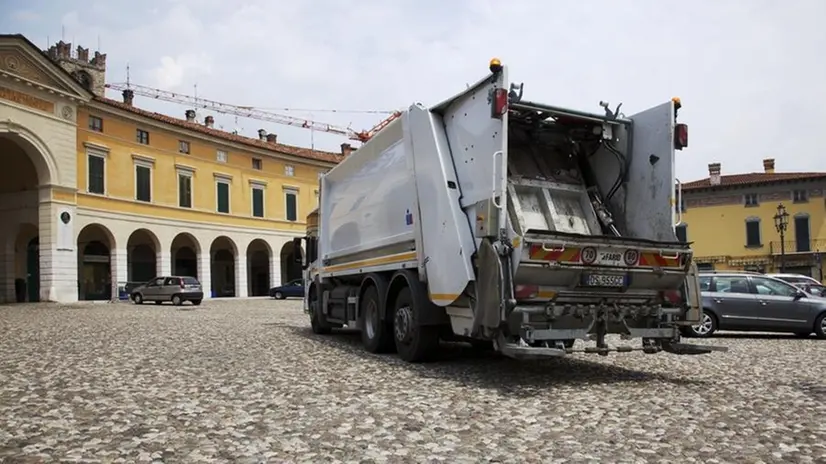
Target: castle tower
(90, 73)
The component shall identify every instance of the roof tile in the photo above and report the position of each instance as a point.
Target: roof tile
(753, 178)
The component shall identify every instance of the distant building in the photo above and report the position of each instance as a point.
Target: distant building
(96, 192)
(730, 220)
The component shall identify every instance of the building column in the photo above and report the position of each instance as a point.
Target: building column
(241, 275)
(205, 272)
(58, 255)
(163, 262)
(119, 268)
(275, 270)
(7, 294)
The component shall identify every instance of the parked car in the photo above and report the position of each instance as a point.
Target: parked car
(745, 301)
(176, 289)
(795, 279)
(814, 289)
(294, 288)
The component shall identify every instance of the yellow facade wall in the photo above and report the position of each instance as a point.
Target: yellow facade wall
(119, 136)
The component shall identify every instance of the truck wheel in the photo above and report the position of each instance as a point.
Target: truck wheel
(414, 343)
(317, 320)
(375, 333)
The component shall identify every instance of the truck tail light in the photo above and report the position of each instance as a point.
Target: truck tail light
(680, 136)
(524, 292)
(500, 103)
(673, 297)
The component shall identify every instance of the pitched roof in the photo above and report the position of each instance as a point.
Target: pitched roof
(317, 155)
(753, 178)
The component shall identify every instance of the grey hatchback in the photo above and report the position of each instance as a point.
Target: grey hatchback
(746, 301)
(176, 289)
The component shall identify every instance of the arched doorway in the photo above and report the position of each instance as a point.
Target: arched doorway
(94, 245)
(142, 256)
(27, 264)
(290, 269)
(184, 251)
(222, 267)
(258, 267)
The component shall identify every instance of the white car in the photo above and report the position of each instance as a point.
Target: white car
(796, 279)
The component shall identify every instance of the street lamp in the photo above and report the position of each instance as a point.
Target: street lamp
(781, 223)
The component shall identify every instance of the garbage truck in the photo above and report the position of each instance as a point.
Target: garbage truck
(526, 228)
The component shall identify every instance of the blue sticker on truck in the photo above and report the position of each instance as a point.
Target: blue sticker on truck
(408, 217)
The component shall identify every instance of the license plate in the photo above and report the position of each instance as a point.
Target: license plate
(604, 280)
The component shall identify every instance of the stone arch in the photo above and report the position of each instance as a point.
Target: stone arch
(290, 269)
(142, 249)
(27, 263)
(259, 257)
(222, 256)
(95, 243)
(184, 253)
(37, 150)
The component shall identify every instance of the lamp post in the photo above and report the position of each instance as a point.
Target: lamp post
(781, 223)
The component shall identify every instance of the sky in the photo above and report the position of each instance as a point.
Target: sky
(750, 73)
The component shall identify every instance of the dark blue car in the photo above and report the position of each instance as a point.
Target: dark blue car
(293, 288)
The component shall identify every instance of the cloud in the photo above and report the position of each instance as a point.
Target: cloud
(25, 16)
(744, 69)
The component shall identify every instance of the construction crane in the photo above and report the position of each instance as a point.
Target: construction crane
(251, 112)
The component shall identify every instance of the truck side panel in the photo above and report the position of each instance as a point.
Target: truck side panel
(447, 239)
(368, 204)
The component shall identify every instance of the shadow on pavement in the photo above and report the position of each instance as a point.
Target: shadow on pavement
(757, 336)
(461, 363)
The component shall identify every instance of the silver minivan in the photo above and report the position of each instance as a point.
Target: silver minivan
(175, 289)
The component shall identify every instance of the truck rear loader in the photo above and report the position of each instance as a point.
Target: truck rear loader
(506, 223)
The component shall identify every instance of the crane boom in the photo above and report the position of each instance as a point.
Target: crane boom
(249, 112)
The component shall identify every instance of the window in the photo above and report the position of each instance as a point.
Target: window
(143, 183)
(751, 199)
(733, 284)
(802, 239)
(753, 232)
(221, 156)
(97, 168)
(258, 201)
(222, 196)
(682, 232)
(183, 146)
(291, 200)
(95, 124)
(800, 196)
(766, 286)
(289, 170)
(705, 283)
(142, 136)
(256, 163)
(184, 189)
(705, 266)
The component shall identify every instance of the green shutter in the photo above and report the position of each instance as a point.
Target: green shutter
(184, 191)
(292, 207)
(223, 197)
(258, 202)
(144, 186)
(96, 182)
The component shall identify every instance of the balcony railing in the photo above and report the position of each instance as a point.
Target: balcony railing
(793, 246)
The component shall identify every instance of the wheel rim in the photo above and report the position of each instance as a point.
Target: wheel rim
(403, 324)
(370, 323)
(176, 300)
(823, 325)
(278, 295)
(704, 327)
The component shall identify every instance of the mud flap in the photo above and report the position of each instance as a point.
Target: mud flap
(688, 349)
(488, 290)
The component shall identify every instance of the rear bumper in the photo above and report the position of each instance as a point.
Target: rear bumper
(192, 295)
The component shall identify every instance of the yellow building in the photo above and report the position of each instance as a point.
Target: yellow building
(731, 220)
(95, 193)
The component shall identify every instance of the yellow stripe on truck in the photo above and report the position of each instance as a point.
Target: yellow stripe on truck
(389, 259)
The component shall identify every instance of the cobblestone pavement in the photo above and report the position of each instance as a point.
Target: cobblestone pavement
(246, 381)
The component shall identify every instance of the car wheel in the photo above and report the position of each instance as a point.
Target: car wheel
(706, 326)
(278, 296)
(196, 302)
(820, 326)
(137, 298)
(176, 300)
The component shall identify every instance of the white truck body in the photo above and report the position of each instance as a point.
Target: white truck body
(479, 219)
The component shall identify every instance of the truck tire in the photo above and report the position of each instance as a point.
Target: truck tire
(317, 320)
(376, 334)
(414, 343)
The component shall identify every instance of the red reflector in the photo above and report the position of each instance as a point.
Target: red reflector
(523, 292)
(673, 296)
(500, 103)
(680, 136)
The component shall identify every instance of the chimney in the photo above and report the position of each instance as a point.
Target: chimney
(190, 115)
(714, 173)
(272, 138)
(128, 96)
(346, 149)
(262, 134)
(209, 121)
(768, 165)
